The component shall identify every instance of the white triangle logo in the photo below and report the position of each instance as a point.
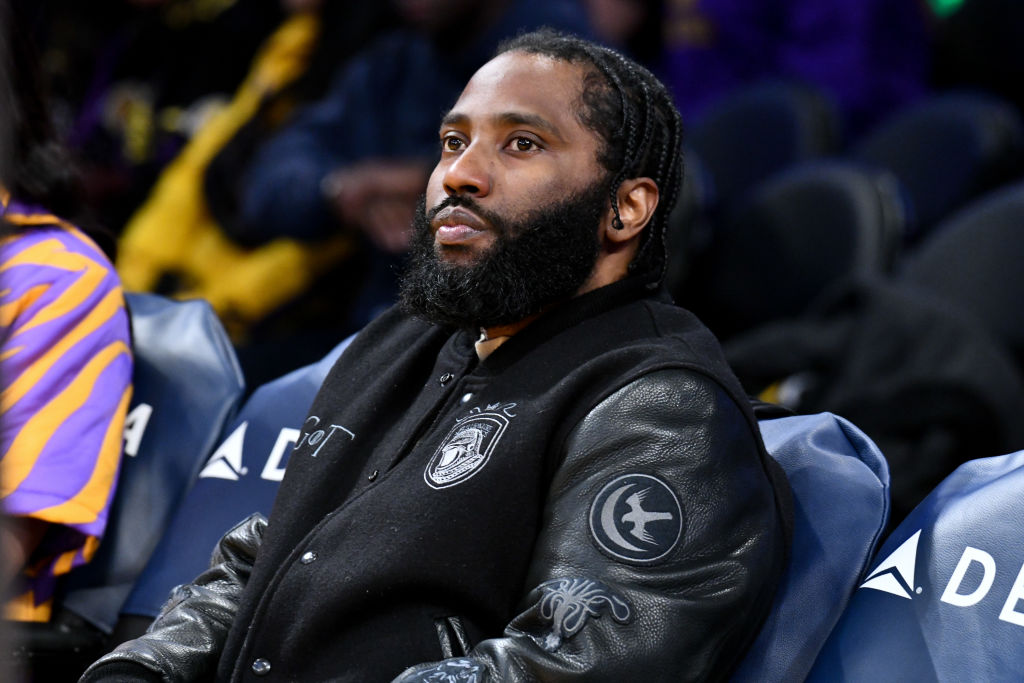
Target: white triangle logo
(226, 461)
(895, 574)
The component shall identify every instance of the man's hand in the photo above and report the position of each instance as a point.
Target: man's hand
(379, 198)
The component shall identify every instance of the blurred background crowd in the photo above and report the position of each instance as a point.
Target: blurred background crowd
(850, 227)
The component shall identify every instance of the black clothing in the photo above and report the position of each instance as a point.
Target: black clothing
(600, 474)
(925, 381)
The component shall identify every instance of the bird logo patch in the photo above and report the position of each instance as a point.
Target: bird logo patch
(636, 518)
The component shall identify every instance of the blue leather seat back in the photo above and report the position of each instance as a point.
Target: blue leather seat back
(840, 485)
(239, 478)
(187, 384)
(945, 598)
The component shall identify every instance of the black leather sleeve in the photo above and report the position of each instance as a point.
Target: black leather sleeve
(185, 641)
(661, 548)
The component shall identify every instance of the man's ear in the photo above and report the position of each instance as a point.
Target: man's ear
(638, 198)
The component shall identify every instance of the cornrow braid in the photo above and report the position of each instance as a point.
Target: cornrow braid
(628, 115)
(637, 122)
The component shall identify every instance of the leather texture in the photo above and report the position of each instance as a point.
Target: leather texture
(185, 641)
(689, 616)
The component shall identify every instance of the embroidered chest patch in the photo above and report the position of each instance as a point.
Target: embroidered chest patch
(465, 450)
(636, 518)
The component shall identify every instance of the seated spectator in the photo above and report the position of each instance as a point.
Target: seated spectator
(537, 467)
(65, 359)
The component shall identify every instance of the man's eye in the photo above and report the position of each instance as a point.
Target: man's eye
(524, 144)
(451, 143)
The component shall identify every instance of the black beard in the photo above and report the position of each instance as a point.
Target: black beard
(538, 260)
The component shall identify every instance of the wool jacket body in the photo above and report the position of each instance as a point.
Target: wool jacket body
(407, 525)
(592, 502)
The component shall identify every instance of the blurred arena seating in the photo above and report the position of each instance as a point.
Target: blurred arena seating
(973, 260)
(759, 129)
(946, 150)
(802, 230)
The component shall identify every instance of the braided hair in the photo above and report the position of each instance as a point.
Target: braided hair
(635, 119)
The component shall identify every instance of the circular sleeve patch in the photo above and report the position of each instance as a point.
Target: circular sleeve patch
(636, 518)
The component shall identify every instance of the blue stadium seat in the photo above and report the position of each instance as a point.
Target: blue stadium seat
(840, 486)
(945, 599)
(240, 477)
(187, 384)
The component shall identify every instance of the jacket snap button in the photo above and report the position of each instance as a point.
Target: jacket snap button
(308, 557)
(466, 397)
(373, 475)
(445, 378)
(261, 667)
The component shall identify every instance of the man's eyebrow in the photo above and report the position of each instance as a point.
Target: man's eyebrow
(512, 118)
(452, 118)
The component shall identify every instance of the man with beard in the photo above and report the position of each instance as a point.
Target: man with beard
(534, 468)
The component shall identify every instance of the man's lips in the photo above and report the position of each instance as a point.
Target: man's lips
(455, 225)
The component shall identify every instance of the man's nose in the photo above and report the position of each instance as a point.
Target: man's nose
(468, 173)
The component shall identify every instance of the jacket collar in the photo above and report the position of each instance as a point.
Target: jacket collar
(564, 316)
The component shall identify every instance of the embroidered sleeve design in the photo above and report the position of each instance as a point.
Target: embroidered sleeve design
(568, 603)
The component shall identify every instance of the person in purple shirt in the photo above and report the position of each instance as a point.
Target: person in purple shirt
(65, 356)
(66, 364)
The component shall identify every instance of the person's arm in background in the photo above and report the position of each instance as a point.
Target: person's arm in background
(329, 169)
(378, 197)
(281, 192)
(67, 368)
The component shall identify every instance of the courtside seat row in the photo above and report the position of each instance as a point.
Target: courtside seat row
(953, 567)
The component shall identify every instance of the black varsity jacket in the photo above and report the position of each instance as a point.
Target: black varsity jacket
(592, 500)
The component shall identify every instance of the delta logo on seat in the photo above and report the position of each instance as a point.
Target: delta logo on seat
(896, 575)
(226, 461)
